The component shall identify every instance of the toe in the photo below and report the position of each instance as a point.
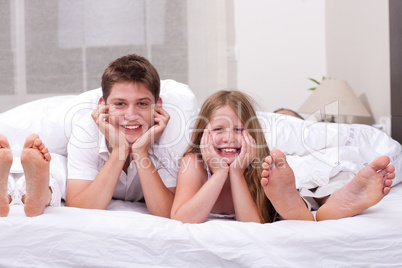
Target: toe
(29, 142)
(264, 182)
(4, 142)
(380, 162)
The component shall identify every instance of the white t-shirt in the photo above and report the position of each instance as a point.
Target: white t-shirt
(88, 153)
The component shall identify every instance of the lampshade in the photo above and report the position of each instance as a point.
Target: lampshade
(338, 92)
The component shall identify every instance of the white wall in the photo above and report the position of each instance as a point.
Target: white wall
(283, 43)
(280, 45)
(357, 33)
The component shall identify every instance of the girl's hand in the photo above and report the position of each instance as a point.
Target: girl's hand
(114, 136)
(215, 162)
(142, 144)
(247, 154)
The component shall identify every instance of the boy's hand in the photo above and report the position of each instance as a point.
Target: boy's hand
(114, 137)
(142, 144)
(215, 162)
(247, 154)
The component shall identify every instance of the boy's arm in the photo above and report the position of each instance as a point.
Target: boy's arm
(158, 197)
(97, 193)
(87, 187)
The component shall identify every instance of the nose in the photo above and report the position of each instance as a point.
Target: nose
(228, 135)
(131, 113)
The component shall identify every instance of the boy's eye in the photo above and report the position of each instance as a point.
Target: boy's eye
(143, 103)
(119, 104)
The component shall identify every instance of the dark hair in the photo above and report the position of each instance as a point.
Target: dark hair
(133, 69)
(292, 113)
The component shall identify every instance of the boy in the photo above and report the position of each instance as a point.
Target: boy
(121, 159)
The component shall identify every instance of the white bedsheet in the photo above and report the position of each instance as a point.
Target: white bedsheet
(126, 236)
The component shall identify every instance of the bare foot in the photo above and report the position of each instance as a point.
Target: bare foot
(366, 189)
(278, 181)
(35, 159)
(6, 159)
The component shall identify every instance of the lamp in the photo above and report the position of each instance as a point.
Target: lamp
(334, 97)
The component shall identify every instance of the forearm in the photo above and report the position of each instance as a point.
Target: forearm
(158, 197)
(98, 194)
(197, 209)
(244, 205)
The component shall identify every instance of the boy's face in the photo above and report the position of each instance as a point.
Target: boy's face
(131, 108)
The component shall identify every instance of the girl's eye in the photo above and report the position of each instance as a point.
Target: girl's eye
(218, 129)
(239, 129)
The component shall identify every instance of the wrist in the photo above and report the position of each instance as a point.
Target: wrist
(138, 156)
(120, 153)
(238, 170)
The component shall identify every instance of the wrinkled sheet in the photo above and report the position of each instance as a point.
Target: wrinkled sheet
(127, 236)
(319, 151)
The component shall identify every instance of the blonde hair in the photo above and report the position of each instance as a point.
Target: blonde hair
(242, 105)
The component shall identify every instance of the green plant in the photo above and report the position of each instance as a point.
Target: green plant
(315, 81)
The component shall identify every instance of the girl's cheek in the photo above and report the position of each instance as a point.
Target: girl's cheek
(239, 137)
(215, 138)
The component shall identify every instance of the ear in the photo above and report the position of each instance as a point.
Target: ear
(101, 100)
(159, 102)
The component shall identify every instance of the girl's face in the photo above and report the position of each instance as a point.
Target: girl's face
(226, 130)
(131, 109)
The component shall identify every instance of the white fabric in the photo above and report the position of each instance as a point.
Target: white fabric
(319, 151)
(127, 236)
(88, 152)
(84, 163)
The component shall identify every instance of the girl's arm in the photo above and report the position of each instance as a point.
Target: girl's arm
(195, 193)
(244, 205)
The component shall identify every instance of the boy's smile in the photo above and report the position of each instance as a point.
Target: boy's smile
(131, 107)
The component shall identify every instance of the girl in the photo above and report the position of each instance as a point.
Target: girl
(221, 170)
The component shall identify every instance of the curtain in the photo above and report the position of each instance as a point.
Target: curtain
(53, 47)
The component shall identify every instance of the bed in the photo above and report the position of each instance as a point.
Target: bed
(126, 235)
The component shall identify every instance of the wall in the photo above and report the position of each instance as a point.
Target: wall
(357, 50)
(280, 44)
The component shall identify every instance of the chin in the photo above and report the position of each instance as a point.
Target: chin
(230, 159)
(131, 139)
